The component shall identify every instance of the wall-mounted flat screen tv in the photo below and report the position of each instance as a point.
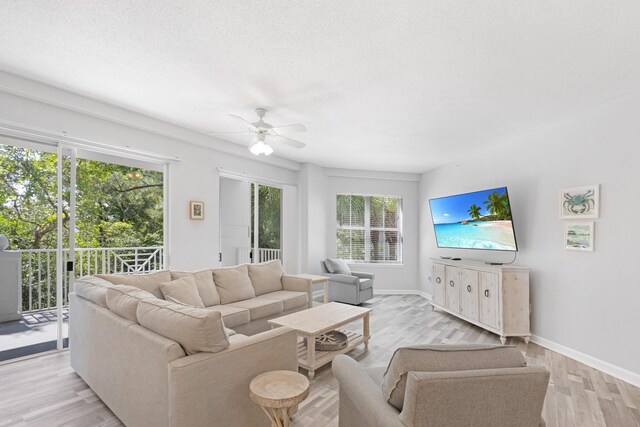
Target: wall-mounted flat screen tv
(478, 220)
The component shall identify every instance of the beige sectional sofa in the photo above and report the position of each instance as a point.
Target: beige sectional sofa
(159, 361)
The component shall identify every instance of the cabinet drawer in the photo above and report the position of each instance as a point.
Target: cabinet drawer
(489, 298)
(452, 288)
(469, 294)
(438, 280)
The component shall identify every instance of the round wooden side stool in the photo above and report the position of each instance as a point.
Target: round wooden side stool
(278, 393)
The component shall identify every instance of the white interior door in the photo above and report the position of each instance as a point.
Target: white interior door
(235, 221)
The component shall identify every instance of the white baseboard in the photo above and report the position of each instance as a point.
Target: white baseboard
(319, 294)
(402, 292)
(606, 367)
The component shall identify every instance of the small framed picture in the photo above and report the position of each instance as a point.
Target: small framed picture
(196, 210)
(578, 236)
(580, 202)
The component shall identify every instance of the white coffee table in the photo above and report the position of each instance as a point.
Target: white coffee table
(318, 320)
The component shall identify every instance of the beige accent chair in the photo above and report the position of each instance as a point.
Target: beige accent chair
(452, 386)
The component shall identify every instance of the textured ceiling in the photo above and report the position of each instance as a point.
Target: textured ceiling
(400, 86)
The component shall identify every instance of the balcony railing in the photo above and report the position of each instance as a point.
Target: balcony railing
(268, 254)
(39, 271)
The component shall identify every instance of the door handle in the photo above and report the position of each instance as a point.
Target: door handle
(438, 280)
(468, 288)
(451, 283)
(486, 293)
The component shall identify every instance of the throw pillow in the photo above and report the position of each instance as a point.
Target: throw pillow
(337, 266)
(146, 282)
(233, 284)
(204, 282)
(438, 358)
(123, 300)
(266, 277)
(93, 289)
(183, 291)
(195, 329)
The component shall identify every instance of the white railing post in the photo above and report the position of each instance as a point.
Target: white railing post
(48, 279)
(29, 281)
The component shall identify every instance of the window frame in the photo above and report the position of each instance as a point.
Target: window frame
(368, 229)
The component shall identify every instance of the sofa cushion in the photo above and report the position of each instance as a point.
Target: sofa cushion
(266, 277)
(195, 329)
(365, 284)
(123, 300)
(183, 291)
(290, 299)
(204, 282)
(437, 358)
(237, 338)
(93, 289)
(260, 307)
(337, 266)
(233, 284)
(231, 316)
(146, 282)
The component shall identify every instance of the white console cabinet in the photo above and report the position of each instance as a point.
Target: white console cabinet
(494, 297)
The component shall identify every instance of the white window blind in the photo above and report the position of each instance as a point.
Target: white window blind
(369, 228)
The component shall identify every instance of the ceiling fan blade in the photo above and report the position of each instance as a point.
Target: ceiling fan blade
(289, 129)
(222, 133)
(289, 141)
(251, 126)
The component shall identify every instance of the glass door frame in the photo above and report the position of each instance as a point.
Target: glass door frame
(62, 266)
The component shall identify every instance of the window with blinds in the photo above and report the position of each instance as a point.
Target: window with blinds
(369, 228)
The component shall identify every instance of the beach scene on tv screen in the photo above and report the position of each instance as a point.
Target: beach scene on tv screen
(480, 220)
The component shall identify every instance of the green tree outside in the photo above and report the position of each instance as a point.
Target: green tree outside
(116, 206)
(269, 211)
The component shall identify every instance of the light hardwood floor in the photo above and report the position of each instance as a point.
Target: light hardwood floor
(46, 392)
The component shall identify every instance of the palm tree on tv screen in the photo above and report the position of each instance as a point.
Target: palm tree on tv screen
(474, 211)
(498, 206)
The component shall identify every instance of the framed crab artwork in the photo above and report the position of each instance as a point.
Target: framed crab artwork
(580, 202)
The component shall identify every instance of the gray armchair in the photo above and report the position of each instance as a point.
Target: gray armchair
(443, 386)
(352, 288)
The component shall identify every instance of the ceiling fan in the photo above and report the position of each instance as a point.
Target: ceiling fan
(263, 133)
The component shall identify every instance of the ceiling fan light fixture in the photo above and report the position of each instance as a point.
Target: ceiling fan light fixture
(259, 147)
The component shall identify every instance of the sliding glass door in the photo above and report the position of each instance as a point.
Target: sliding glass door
(68, 213)
(250, 222)
(266, 214)
(36, 203)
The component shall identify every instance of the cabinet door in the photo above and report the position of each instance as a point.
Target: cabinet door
(452, 292)
(438, 284)
(489, 299)
(469, 294)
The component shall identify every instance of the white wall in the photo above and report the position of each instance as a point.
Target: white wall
(388, 277)
(585, 301)
(194, 244)
(313, 222)
(291, 244)
(235, 221)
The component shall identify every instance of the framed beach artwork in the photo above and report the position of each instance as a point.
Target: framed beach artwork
(196, 210)
(578, 236)
(580, 202)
